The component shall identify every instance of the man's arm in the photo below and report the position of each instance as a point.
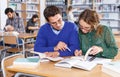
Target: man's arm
(41, 42)
(74, 43)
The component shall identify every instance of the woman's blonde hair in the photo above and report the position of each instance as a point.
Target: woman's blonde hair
(91, 17)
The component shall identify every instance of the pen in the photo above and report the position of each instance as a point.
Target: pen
(68, 49)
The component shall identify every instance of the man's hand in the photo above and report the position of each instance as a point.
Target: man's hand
(60, 46)
(9, 28)
(52, 54)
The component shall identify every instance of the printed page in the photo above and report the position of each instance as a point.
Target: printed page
(83, 58)
(44, 58)
(95, 60)
(101, 60)
(86, 65)
(68, 63)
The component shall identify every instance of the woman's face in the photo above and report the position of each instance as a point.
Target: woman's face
(85, 28)
(35, 19)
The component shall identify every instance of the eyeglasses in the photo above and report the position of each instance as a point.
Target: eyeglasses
(85, 28)
(57, 22)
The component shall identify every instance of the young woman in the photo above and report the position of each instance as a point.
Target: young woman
(70, 15)
(31, 24)
(93, 35)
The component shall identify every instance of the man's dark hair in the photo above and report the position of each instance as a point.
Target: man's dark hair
(51, 11)
(7, 10)
(34, 16)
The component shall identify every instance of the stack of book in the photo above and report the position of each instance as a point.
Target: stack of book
(112, 68)
(30, 62)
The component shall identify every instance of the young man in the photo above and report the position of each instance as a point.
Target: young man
(14, 22)
(56, 38)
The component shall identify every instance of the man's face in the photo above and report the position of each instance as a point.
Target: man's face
(10, 15)
(56, 21)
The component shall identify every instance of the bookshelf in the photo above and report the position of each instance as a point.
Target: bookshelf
(110, 11)
(25, 8)
(108, 8)
(81, 5)
(62, 4)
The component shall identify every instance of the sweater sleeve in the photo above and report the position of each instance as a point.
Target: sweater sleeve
(41, 42)
(74, 43)
(110, 51)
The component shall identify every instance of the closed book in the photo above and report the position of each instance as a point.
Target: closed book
(29, 62)
(112, 68)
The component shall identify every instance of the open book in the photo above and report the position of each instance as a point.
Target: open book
(43, 57)
(81, 62)
(93, 59)
(69, 63)
(83, 58)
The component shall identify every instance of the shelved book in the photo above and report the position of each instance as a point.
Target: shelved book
(112, 68)
(30, 62)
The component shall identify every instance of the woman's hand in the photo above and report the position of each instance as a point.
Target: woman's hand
(95, 50)
(78, 52)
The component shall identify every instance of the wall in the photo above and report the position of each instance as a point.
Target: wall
(42, 7)
(3, 17)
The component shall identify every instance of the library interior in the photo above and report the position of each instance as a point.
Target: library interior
(30, 48)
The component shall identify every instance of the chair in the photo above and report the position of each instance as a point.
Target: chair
(7, 61)
(2, 49)
(10, 38)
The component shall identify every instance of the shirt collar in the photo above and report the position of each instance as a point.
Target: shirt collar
(57, 31)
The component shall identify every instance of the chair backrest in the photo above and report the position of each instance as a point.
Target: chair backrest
(7, 61)
(10, 38)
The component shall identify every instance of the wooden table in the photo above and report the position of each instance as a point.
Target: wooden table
(27, 35)
(48, 69)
